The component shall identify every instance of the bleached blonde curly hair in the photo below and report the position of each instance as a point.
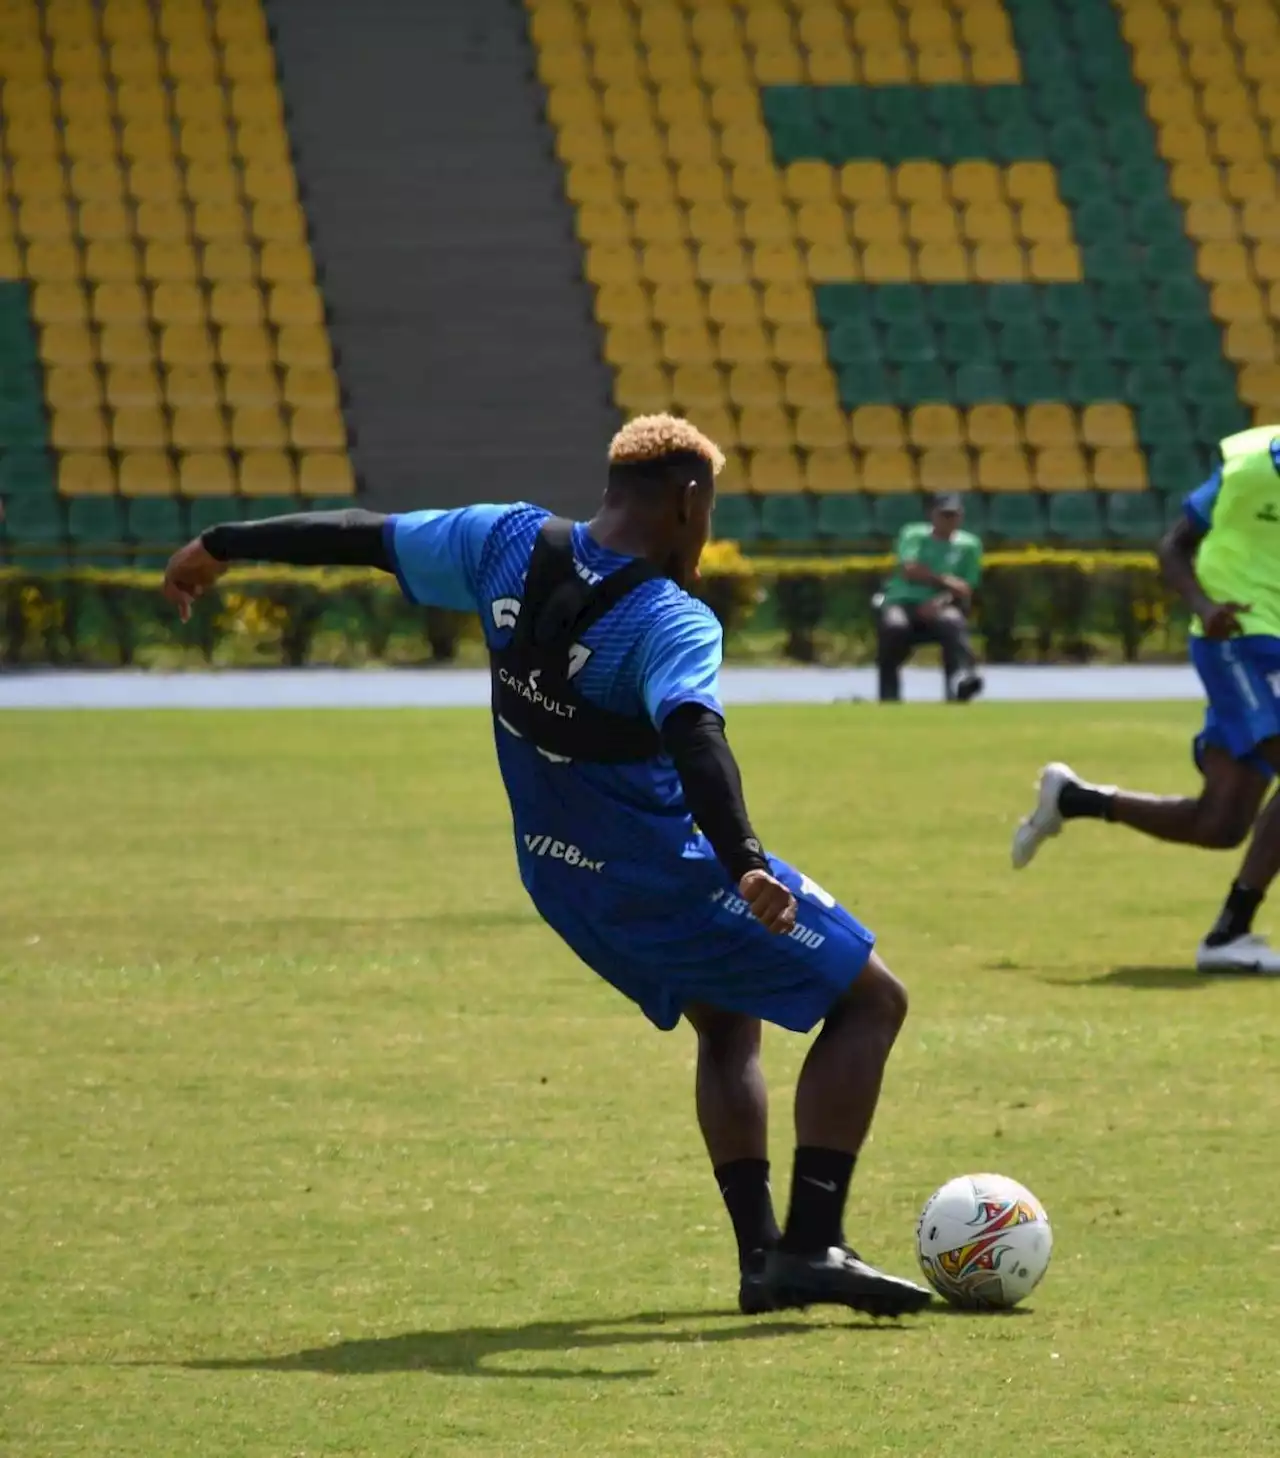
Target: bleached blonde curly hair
(650, 438)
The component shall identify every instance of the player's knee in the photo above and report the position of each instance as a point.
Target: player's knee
(728, 1039)
(881, 998)
(1223, 827)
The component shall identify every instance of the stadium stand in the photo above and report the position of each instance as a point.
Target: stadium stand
(162, 334)
(1011, 249)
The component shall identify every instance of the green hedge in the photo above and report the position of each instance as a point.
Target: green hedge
(1034, 606)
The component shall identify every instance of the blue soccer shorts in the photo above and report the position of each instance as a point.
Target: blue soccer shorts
(711, 950)
(1241, 678)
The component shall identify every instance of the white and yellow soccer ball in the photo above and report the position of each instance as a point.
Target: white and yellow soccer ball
(984, 1241)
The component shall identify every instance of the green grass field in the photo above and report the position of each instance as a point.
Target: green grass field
(316, 1143)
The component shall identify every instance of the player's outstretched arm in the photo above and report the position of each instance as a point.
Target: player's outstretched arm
(1177, 555)
(350, 538)
(693, 735)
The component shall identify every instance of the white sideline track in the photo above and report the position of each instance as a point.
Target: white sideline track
(333, 688)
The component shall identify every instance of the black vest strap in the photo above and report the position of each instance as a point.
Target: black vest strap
(533, 693)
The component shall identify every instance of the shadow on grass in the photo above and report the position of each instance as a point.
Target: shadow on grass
(1155, 979)
(985, 1313)
(467, 1351)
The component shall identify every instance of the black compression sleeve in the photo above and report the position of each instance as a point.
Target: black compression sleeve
(351, 538)
(694, 738)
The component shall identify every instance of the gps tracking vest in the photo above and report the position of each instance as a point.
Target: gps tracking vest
(533, 693)
(1239, 558)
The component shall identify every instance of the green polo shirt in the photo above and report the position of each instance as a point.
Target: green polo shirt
(960, 557)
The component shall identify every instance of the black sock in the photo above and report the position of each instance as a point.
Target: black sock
(1084, 802)
(744, 1183)
(1236, 916)
(819, 1189)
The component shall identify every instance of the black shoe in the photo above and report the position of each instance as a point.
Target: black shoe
(753, 1299)
(969, 687)
(837, 1277)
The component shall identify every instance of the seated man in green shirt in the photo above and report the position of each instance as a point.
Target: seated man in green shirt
(927, 600)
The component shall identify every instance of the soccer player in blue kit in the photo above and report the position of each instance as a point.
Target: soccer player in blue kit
(631, 832)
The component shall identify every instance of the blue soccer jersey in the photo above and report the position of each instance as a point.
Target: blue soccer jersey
(609, 853)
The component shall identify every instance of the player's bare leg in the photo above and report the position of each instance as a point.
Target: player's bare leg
(733, 1114)
(1217, 819)
(836, 1100)
(1231, 944)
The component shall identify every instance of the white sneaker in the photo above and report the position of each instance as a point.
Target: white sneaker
(1045, 820)
(1249, 953)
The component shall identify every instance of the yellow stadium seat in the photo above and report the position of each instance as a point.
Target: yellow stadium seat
(688, 344)
(701, 182)
(932, 222)
(131, 385)
(756, 182)
(72, 387)
(1202, 181)
(642, 389)
(244, 344)
(1107, 425)
(198, 428)
(722, 263)
(146, 473)
(754, 384)
(1260, 219)
(833, 472)
(874, 222)
(213, 182)
(255, 427)
(325, 473)
(125, 344)
(1120, 468)
(1212, 221)
(732, 303)
(186, 344)
(886, 66)
(105, 220)
(936, 427)
(83, 138)
(920, 182)
(631, 344)
(799, 344)
(154, 181)
(1049, 424)
(976, 182)
(1259, 385)
(162, 221)
(887, 470)
(943, 469)
(110, 261)
(220, 222)
(877, 427)
(10, 259)
(139, 427)
(313, 388)
(988, 223)
(1250, 340)
(865, 182)
(1234, 300)
(809, 182)
(244, 385)
(589, 182)
(1184, 142)
(44, 218)
(611, 264)
(1266, 261)
(32, 136)
(318, 427)
(809, 385)
(720, 426)
(764, 428)
(54, 262)
(57, 303)
(999, 263)
(1003, 468)
(655, 220)
(1061, 468)
(1242, 181)
(66, 344)
(199, 142)
(745, 343)
(85, 474)
(606, 222)
(119, 303)
(287, 263)
(940, 66)
(38, 177)
(775, 472)
(266, 472)
(177, 303)
(822, 427)
(784, 303)
(1055, 263)
(96, 180)
(667, 263)
(268, 181)
(206, 474)
(778, 263)
(1044, 222)
(943, 263)
(228, 261)
(838, 263)
(1223, 262)
(236, 303)
(714, 224)
(78, 430)
(694, 387)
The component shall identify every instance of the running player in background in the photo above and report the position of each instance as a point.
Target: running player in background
(1223, 559)
(631, 833)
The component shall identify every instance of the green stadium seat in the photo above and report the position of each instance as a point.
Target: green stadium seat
(865, 384)
(1155, 219)
(1012, 304)
(1062, 303)
(25, 473)
(836, 302)
(975, 512)
(1072, 137)
(1016, 516)
(259, 508)
(1173, 471)
(1081, 178)
(1180, 298)
(1022, 343)
(852, 341)
(909, 342)
(1019, 140)
(1080, 340)
(35, 520)
(1096, 379)
(898, 303)
(208, 511)
(846, 518)
(737, 518)
(1139, 341)
(1174, 257)
(1139, 179)
(924, 380)
(978, 383)
(786, 518)
(1135, 516)
(847, 107)
(153, 521)
(793, 143)
(1121, 303)
(956, 304)
(1099, 220)
(891, 513)
(1195, 338)
(1110, 263)
(1149, 382)
(22, 422)
(94, 520)
(1076, 516)
(1129, 136)
(963, 340)
(1219, 415)
(1035, 381)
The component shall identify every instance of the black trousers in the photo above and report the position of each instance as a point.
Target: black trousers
(901, 630)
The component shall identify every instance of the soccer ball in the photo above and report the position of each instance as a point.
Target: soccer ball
(984, 1241)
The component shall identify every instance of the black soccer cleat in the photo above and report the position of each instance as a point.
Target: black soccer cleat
(753, 1299)
(969, 687)
(836, 1277)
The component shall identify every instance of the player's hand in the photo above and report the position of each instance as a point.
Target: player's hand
(959, 589)
(1222, 619)
(772, 905)
(190, 573)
